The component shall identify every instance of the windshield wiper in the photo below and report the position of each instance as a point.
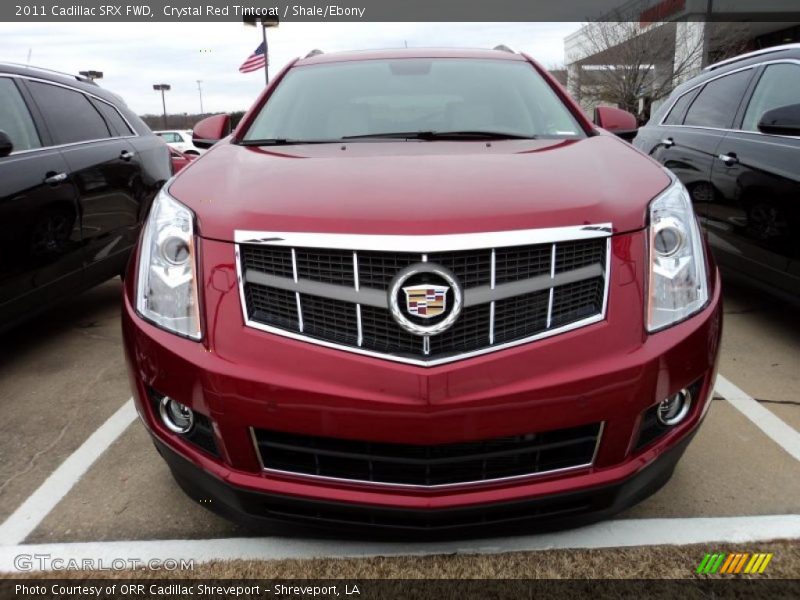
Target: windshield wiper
(443, 135)
(284, 142)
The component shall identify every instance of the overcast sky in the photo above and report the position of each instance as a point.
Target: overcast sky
(134, 56)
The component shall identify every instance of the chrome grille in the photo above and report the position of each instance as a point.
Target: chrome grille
(337, 294)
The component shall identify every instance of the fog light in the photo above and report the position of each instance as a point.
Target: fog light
(674, 409)
(177, 417)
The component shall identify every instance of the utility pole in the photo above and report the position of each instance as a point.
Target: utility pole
(163, 87)
(707, 26)
(200, 90)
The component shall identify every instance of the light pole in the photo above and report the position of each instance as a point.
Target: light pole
(200, 90)
(265, 22)
(91, 75)
(163, 87)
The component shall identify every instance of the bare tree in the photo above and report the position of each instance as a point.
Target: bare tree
(627, 60)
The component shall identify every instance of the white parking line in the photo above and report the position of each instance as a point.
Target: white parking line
(39, 504)
(767, 421)
(611, 534)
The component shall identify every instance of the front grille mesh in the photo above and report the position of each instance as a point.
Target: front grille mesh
(428, 465)
(480, 326)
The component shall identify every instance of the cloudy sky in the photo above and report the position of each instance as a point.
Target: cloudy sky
(134, 56)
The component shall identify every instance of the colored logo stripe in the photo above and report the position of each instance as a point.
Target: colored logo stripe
(731, 564)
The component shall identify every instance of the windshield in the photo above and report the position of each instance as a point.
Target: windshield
(402, 96)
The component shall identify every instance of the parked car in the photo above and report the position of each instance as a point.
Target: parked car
(180, 159)
(732, 135)
(78, 171)
(180, 140)
(418, 290)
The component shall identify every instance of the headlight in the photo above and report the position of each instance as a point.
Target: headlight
(167, 286)
(678, 283)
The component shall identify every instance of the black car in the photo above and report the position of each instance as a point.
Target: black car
(732, 135)
(78, 170)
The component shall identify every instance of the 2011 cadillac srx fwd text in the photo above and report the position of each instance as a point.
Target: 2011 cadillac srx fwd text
(418, 290)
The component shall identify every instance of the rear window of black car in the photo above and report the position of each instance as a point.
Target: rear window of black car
(675, 116)
(365, 97)
(717, 103)
(113, 119)
(70, 115)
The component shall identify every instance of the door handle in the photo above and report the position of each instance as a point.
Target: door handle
(729, 159)
(53, 178)
(126, 155)
(668, 142)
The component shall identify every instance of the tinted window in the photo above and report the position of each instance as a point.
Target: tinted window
(113, 118)
(169, 137)
(15, 119)
(675, 116)
(778, 86)
(331, 101)
(717, 104)
(70, 116)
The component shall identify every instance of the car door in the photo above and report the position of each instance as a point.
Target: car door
(105, 170)
(40, 234)
(690, 146)
(755, 216)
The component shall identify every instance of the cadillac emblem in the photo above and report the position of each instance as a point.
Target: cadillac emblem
(425, 299)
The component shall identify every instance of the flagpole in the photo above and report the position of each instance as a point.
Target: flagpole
(266, 55)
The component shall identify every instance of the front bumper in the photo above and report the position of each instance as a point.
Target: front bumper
(264, 511)
(609, 372)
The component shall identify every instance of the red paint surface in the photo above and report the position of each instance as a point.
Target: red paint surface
(458, 187)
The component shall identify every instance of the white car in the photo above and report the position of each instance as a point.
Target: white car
(180, 140)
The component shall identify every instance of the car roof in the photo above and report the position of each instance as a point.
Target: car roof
(390, 53)
(75, 81)
(738, 62)
(790, 50)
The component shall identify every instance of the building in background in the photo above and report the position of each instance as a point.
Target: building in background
(634, 57)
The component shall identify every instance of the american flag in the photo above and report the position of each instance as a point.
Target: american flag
(256, 60)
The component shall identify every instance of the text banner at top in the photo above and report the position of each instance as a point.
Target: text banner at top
(399, 10)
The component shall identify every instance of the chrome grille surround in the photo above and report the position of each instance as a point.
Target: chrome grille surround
(545, 277)
(477, 476)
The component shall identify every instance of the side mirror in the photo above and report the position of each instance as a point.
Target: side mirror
(211, 130)
(784, 120)
(6, 146)
(617, 121)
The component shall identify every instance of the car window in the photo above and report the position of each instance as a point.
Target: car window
(352, 98)
(779, 85)
(70, 116)
(15, 119)
(113, 118)
(675, 116)
(717, 103)
(169, 137)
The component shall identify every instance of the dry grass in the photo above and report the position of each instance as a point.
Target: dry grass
(652, 562)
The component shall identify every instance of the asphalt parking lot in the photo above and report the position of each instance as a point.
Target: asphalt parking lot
(63, 376)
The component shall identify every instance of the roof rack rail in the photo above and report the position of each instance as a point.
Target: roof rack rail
(747, 55)
(80, 78)
(503, 48)
(314, 52)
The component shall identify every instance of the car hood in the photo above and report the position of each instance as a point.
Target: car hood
(418, 188)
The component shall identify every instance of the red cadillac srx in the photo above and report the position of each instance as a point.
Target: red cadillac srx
(418, 290)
